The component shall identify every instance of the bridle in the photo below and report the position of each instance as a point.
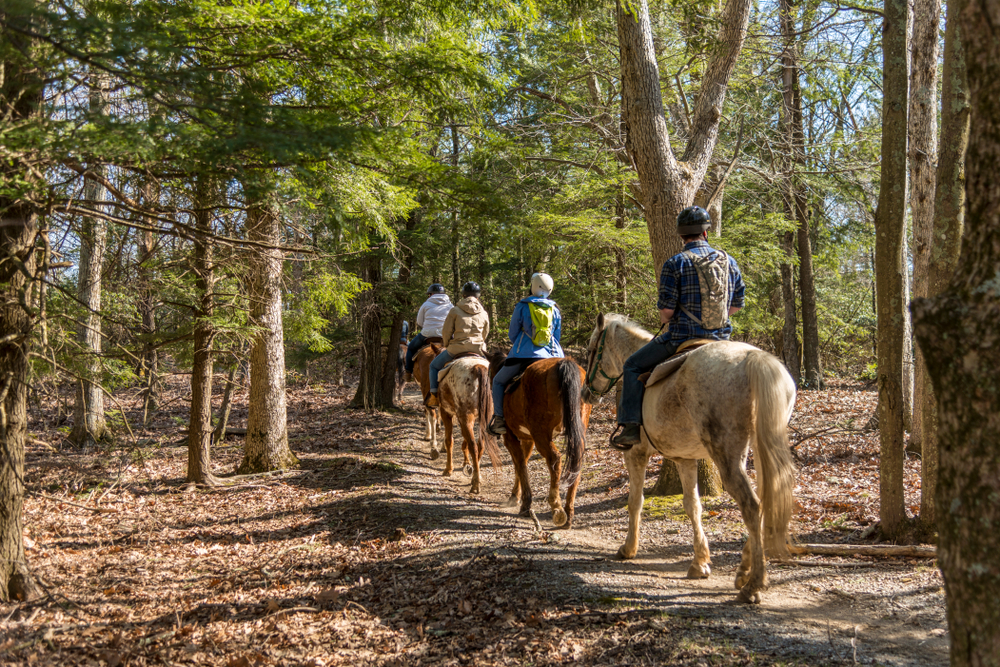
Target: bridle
(595, 368)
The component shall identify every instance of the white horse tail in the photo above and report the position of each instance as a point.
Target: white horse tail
(773, 394)
(485, 412)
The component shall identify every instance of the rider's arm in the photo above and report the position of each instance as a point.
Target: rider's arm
(515, 323)
(420, 315)
(665, 315)
(557, 326)
(449, 327)
(669, 293)
(733, 310)
(739, 289)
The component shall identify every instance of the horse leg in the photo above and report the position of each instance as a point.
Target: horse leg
(751, 577)
(431, 417)
(570, 504)
(466, 422)
(514, 448)
(701, 566)
(554, 462)
(635, 461)
(449, 443)
(521, 466)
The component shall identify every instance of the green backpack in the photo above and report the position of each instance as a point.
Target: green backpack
(543, 318)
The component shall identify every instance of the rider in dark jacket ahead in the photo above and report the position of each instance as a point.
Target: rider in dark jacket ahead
(530, 344)
(700, 288)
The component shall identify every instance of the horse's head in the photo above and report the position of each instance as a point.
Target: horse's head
(496, 359)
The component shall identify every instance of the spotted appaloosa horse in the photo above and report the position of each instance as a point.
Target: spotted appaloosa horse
(545, 403)
(421, 372)
(464, 395)
(725, 398)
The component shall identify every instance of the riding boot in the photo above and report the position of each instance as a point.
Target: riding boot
(627, 438)
(497, 426)
(408, 377)
(432, 401)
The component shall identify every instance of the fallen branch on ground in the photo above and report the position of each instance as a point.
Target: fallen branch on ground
(99, 510)
(885, 550)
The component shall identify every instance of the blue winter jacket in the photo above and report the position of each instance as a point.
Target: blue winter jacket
(522, 330)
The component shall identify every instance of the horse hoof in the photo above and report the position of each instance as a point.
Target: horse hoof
(468, 469)
(525, 513)
(434, 454)
(446, 473)
(748, 596)
(697, 571)
(474, 490)
(624, 554)
(742, 577)
(559, 517)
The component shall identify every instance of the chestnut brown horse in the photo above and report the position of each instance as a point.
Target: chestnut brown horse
(422, 374)
(547, 401)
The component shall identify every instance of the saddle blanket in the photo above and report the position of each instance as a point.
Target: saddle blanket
(476, 361)
(667, 368)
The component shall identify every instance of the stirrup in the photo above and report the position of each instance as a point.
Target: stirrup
(432, 401)
(622, 446)
(497, 426)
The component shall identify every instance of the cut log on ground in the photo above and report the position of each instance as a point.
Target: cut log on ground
(883, 550)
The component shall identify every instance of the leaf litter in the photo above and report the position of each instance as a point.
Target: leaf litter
(365, 555)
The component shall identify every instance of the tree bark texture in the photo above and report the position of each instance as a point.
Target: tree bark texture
(790, 331)
(199, 468)
(668, 483)
(227, 404)
(147, 302)
(961, 342)
(89, 425)
(666, 184)
(266, 446)
(890, 217)
(796, 202)
(369, 395)
(949, 218)
(20, 102)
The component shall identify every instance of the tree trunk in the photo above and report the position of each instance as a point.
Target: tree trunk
(219, 435)
(669, 481)
(790, 331)
(949, 218)
(199, 469)
(148, 295)
(666, 184)
(89, 425)
(958, 333)
(370, 395)
(20, 101)
(890, 217)
(456, 274)
(621, 277)
(266, 446)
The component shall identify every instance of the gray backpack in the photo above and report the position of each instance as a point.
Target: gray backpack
(713, 280)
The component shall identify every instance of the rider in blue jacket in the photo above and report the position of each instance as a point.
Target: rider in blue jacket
(535, 329)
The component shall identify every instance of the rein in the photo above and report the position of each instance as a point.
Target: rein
(596, 368)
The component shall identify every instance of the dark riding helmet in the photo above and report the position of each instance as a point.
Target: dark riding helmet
(471, 289)
(436, 288)
(693, 220)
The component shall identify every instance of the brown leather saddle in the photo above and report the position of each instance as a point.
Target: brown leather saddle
(460, 355)
(434, 339)
(673, 363)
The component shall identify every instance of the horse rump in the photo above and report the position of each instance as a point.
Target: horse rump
(570, 390)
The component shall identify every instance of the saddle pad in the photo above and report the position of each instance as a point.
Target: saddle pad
(670, 366)
(513, 384)
(477, 361)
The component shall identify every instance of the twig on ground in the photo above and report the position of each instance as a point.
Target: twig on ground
(99, 510)
(293, 610)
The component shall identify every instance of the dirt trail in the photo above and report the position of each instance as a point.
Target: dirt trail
(887, 612)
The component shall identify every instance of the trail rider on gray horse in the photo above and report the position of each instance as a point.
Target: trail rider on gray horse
(700, 288)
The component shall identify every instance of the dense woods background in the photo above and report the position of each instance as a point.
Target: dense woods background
(255, 189)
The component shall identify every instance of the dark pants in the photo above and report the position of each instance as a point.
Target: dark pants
(642, 360)
(511, 369)
(411, 351)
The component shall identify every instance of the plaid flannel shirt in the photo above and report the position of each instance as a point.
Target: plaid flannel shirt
(679, 286)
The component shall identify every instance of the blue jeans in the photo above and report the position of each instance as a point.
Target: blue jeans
(642, 360)
(436, 366)
(503, 378)
(411, 350)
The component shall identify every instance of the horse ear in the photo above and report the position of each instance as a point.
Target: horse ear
(600, 321)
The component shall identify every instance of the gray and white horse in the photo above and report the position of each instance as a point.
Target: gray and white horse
(726, 397)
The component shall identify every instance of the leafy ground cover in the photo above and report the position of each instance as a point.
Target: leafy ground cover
(366, 555)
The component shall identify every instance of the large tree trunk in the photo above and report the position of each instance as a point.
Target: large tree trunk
(199, 469)
(370, 394)
(890, 217)
(20, 101)
(949, 217)
(796, 203)
(666, 184)
(790, 330)
(89, 425)
(669, 481)
(961, 342)
(147, 302)
(266, 445)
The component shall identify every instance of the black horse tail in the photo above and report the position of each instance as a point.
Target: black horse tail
(570, 386)
(486, 439)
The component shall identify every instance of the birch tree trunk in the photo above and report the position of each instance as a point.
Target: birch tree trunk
(199, 470)
(266, 445)
(949, 218)
(21, 89)
(961, 342)
(89, 425)
(890, 217)
(923, 157)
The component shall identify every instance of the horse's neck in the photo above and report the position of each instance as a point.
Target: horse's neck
(626, 343)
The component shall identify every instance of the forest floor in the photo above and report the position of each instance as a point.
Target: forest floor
(367, 555)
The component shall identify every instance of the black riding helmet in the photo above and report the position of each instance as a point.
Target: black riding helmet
(471, 289)
(436, 288)
(693, 220)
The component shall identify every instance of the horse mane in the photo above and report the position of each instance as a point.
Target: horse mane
(630, 325)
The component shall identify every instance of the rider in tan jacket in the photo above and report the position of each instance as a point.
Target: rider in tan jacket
(465, 330)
